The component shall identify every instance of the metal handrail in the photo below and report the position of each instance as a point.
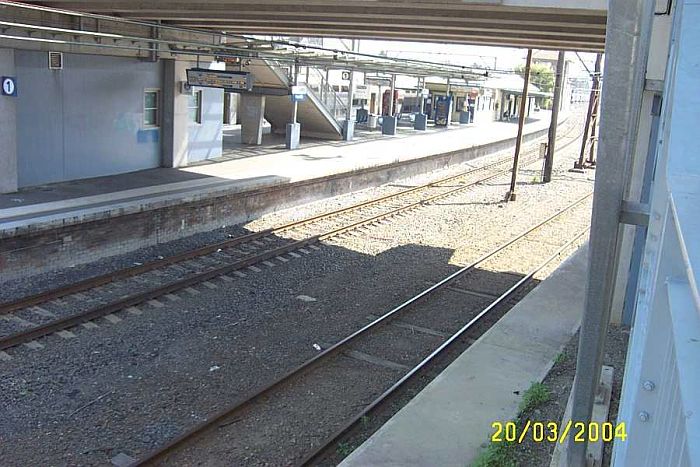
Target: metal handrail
(324, 92)
(318, 86)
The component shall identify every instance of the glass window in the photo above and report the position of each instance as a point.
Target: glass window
(194, 107)
(151, 100)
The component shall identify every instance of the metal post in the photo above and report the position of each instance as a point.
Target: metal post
(521, 121)
(348, 113)
(627, 47)
(448, 91)
(296, 82)
(556, 103)
(391, 95)
(421, 101)
(325, 87)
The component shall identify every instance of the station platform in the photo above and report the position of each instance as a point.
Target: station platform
(47, 227)
(449, 421)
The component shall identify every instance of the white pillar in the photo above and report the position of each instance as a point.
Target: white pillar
(8, 127)
(252, 118)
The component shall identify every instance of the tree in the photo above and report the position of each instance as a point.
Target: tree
(541, 75)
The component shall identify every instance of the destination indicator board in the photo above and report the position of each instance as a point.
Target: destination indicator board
(229, 80)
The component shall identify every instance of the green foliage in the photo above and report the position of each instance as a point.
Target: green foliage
(344, 449)
(541, 75)
(496, 455)
(536, 395)
(502, 454)
(560, 358)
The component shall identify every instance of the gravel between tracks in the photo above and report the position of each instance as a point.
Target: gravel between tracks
(130, 386)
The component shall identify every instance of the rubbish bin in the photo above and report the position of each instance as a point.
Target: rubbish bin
(372, 122)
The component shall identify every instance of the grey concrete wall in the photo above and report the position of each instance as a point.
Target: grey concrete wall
(8, 128)
(85, 120)
(185, 141)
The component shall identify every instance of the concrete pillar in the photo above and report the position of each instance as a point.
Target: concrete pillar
(252, 118)
(234, 108)
(175, 123)
(8, 127)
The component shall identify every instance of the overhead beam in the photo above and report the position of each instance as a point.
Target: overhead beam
(559, 30)
(420, 36)
(547, 24)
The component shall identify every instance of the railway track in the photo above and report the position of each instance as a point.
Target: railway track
(31, 318)
(379, 358)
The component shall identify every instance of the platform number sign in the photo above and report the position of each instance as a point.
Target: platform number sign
(9, 86)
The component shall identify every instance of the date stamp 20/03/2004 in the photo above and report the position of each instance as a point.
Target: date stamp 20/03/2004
(551, 432)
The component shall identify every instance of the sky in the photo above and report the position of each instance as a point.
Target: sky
(503, 58)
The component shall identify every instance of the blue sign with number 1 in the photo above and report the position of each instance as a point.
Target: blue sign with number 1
(9, 86)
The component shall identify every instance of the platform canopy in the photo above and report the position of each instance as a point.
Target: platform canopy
(542, 24)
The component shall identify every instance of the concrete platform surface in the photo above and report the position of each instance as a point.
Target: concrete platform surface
(450, 419)
(69, 202)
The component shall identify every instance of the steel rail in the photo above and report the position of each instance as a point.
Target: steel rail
(254, 396)
(320, 450)
(36, 332)
(96, 281)
(103, 279)
(68, 322)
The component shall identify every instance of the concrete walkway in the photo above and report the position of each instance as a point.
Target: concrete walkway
(129, 192)
(450, 419)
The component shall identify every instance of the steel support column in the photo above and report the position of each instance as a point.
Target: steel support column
(351, 85)
(627, 45)
(556, 104)
(521, 121)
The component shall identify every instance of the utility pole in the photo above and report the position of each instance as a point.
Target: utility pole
(595, 114)
(521, 121)
(556, 103)
(592, 100)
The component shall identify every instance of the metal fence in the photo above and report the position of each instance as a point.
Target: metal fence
(660, 401)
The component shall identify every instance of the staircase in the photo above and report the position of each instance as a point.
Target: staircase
(322, 112)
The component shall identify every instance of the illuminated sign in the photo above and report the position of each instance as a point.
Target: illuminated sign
(229, 80)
